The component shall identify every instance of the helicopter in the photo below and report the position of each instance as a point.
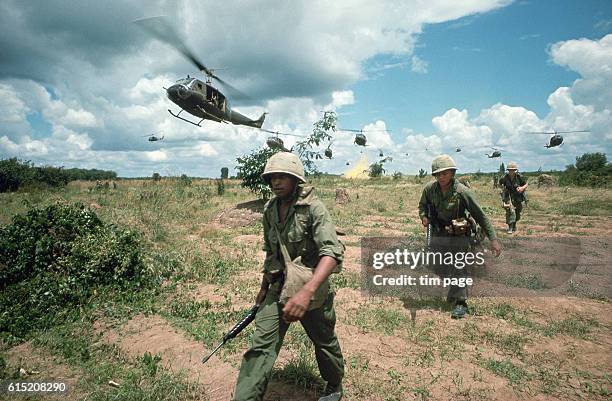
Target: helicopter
(328, 152)
(458, 149)
(194, 96)
(360, 138)
(496, 153)
(556, 139)
(153, 138)
(274, 142)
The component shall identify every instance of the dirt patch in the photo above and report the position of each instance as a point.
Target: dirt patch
(42, 366)
(155, 335)
(242, 215)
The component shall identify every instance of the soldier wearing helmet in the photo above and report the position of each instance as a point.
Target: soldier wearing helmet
(513, 195)
(302, 250)
(446, 204)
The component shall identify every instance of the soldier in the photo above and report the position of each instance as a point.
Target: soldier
(446, 204)
(513, 195)
(297, 228)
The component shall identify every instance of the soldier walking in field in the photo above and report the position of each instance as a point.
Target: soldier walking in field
(452, 211)
(513, 195)
(302, 250)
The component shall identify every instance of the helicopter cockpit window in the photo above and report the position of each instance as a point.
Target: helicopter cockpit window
(185, 81)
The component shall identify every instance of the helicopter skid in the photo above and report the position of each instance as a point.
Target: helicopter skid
(212, 117)
(184, 119)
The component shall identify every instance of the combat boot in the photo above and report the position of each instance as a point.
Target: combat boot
(332, 393)
(510, 228)
(514, 227)
(459, 311)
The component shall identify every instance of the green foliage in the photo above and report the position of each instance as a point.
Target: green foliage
(185, 180)
(376, 170)
(220, 187)
(55, 257)
(15, 173)
(422, 173)
(320, 133)
(590, 170)
(156, 177)
(224, 173)
(397, 175)
(502, 168)
(251, 167)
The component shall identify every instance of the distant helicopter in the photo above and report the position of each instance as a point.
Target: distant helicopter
(201, 99)
(555, 139)
(360, 138)
(458, 149)
(381, 154)
(274, 142)
(153, 138)
(328, 152)
(496, 153)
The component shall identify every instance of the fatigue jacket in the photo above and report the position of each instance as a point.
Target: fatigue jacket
(308, 232)
(518, 181)
(453, 205)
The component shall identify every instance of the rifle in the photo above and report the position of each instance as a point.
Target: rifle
(430, 214)
(246, 320)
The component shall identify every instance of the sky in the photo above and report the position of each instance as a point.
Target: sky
(81, 85)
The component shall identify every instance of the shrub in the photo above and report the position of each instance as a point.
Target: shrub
(56, 257)
(590, 170)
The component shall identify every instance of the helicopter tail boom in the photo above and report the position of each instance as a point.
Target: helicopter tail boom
(259, 122)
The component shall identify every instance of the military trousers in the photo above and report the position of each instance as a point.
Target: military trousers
(513, 213)
(454, 245)
(270, 330)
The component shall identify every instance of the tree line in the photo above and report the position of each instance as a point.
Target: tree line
(15, 173)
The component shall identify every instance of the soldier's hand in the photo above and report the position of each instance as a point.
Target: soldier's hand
(297, 306)
(496, 248)
(424, 221)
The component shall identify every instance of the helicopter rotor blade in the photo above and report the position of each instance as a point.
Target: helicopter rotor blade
(539, 132)
(362, 131)
(571, 132)
(161, 29)
(279, 133)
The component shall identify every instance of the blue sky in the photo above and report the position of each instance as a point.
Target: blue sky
(477, 61)
(80, 86)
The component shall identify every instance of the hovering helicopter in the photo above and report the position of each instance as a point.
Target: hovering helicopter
(458, 149)
(496, 153)
(360, 138)
(381, 154)
(198, 98)
(555, 139)
(274, 142)
(153, 138)
(328, 152)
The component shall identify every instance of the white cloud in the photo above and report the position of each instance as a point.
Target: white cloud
(342, 98)
(419, 65)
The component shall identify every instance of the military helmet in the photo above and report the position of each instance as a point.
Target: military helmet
(441, 163)
(284, 162)
(512, 166)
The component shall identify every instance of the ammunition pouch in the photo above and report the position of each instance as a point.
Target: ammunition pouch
(458, 227)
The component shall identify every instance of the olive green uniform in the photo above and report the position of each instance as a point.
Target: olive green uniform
(458, 202)
(310, 233)
(513, 213)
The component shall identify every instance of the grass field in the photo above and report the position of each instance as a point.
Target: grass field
(147, 345)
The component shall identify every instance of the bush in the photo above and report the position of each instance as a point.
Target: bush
(56, 257)
(590, 170)
(251, 167)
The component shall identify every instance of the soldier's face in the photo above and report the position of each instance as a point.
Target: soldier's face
(444, 177)
(283, 185)
(512, 173)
